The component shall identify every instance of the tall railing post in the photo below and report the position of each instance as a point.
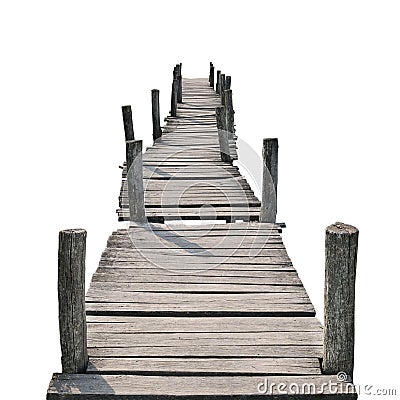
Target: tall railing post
(341, 243)
(179, 77)
(217, 87)
(228, 81)
(155, 112)
(174, 96)
(134, 177)
(223, 135)
(270, 181)
(211, 76)
(128, 123)
(71, 300)
(230, 118)
(221, 86)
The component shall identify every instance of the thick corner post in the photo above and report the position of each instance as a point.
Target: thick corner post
(270, 180)
(223, 135)
(341, 244)
(71, 300)
(134, 176)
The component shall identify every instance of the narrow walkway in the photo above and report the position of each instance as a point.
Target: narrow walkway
(196, 311)
(184, 177)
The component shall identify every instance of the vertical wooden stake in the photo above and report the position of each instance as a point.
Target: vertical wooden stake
(128, 123)
(230, 118)
(174, 97)
(134, 176)
(222, 87)
(270, 180)
(179, 77)
(217, 88)
(155, 112)
(341, 243)
(223, 135)
(212, 76)
(228, 81)
(71, 300)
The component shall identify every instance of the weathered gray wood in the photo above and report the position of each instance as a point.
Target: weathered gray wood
(139, 387)
(218, 87)
(174, 96)
(193, 366)
(128, 123)
(341, 243)
(229, 112)
(222, 87)
(135, 180)
(193, 350)
(270, 180)
(123, 339)
(179, 77)
(210, 324)
(155, 112)
(223, 135)
(228, 81)
(71, 300)
(212, 75)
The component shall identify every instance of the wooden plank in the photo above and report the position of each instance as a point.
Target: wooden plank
(190, 366)
(205, 324)
(88, 386)
(213, 276)
(184, 287)
(212, 339)
(274, 351)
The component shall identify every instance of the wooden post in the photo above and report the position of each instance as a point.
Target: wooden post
(134, 176)
(217, 88)
(230, 119)
(71, 300)
(128, 123)
(212, 76)
(155, 111)
(223, 135)
(211, 72)
(270, 180)
(341, 243)
(222, 86)
(179, 77)
(174, 97)
(228, 81)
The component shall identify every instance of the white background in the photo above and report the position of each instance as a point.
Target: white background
(322, 76)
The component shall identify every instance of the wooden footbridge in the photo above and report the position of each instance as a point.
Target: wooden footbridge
(200, 309)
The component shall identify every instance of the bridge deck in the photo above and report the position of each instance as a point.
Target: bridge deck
(184, 177)
(196, 311)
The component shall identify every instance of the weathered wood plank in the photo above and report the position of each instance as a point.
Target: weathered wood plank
(204, 366)
(194, 350)
(86, 386)
(206, 324)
